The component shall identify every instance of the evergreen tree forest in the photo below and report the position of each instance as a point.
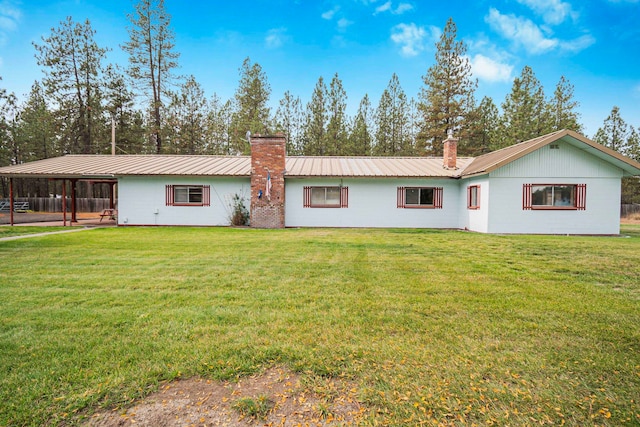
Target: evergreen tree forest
(72, 109)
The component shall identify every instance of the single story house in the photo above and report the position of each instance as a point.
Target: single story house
(560, 183)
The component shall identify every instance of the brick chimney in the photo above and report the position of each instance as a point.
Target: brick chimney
(267, 164)
(450, 151)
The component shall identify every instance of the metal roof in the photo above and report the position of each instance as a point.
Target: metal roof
(104, 166)
(496, 159)
(395, 167)
(108, 167)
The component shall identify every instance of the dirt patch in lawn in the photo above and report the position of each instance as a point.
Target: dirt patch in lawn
(201, 402)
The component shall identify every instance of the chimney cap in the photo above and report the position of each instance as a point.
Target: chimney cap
(449, 133)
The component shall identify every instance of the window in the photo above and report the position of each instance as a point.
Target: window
(188, 195)
(473, 197)
(420, 197)
(554, 196)
(326, 197)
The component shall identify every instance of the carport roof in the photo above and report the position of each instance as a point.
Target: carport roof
(104, 166)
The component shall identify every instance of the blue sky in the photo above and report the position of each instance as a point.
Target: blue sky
(595, 44)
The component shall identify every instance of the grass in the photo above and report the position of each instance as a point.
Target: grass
(257, 408)
(431, 326)
(8, 231)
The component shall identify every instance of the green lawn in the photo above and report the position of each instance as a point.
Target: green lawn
(8, 231)
(435, 326)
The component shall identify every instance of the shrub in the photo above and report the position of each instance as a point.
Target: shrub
(239, 212)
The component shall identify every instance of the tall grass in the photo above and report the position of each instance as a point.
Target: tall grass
(433, 326)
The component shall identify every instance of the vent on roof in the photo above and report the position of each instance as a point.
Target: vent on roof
(554, 146)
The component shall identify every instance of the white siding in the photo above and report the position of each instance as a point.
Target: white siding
(565, 165)
(139, 198)
(372, 203)
(565, 161)
(475, 219)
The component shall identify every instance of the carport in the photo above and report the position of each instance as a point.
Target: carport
(69, 170)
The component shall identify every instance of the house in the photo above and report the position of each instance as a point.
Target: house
(560, 183)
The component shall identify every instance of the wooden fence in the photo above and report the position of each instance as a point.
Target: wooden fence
(54, 204)
(630, 209)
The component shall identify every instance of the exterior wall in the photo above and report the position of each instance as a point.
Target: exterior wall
(372, 203)
(565, 165)
(142, 201)
(475, 219)
(267, 161)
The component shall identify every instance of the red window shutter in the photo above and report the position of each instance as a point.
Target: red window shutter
(526, 196)
(437, 198)
(169, 195)
(206, 195)
(306, 197)
(581, 196)
(401, 197)
(344, 197)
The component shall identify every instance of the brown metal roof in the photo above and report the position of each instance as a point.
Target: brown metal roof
(496, 159)
(400, 167)
(101, 166)
(104, 166)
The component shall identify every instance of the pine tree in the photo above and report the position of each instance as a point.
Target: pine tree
(289, 119)
(614, 133)
(219, 126)
(393, 122)
(564, 107)
(445, 100)
(336, 136)
(10, 152)
(483, 128)
(187, 119)
(251, 110)
(130, 126)
(316, 122)
(151, 58)
(525, 112)
(361, 137)
(619, 136)
(633, 144)
(37, 133)
(73, 73)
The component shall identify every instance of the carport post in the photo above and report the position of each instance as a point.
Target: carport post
(73, 200)
(11, 201)
(64, 202)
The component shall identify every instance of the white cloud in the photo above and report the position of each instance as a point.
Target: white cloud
(343, 23)
(490, 70)
(553, 12)
(533, 38)
(411, 38)
(329, 14)
(521, 31)
(576, 45)
(10, 16)
(276, 37)
(402, 8)
(388, 7)
(383, 7)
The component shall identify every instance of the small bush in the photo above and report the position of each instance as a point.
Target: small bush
(239, 212)
(255, 408)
